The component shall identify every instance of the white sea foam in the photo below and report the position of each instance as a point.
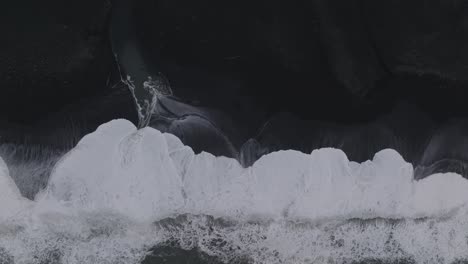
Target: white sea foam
(149, 175)
(288, 207)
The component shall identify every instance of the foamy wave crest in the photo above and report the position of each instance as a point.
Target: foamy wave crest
(122, 191)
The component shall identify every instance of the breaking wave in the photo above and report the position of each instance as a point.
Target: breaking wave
(124, 195)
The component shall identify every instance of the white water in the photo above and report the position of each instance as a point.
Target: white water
(105, 195)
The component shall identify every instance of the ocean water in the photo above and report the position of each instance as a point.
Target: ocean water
(128, 195)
